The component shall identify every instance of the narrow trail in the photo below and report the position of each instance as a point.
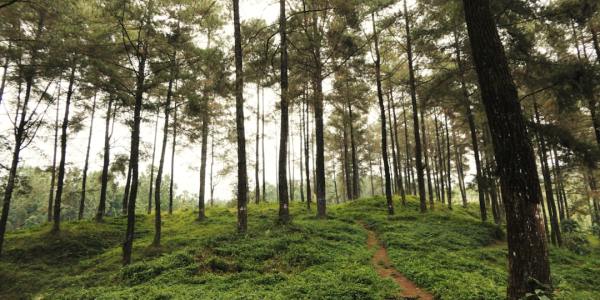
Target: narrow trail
(384, 268)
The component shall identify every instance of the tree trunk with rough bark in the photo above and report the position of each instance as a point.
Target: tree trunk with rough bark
(386, 165)
(242, 174)
(63, 154)
(86, 164)
(520, 187)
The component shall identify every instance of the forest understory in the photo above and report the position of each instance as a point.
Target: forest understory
(449, 253)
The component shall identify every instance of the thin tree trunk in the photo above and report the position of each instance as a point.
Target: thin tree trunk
(106, 162)
(459, 169)
(242, 184)
(300, 143)
(256, 166)
(161, 165)
(203, 151)
(471, 121)
(554, 226)
(426, 156)
(63, 154)
(413, 96)
(448, 162)
(173, 152)
(20, 132)
(513, 152)
(408, 165)
(355, 166)
(212, 163)
(141, 53)
(53, 174)
(307, 155)
(151, 183)
(125, 202)
(284, 215)
(441, 176)
(86, 164)
(395, 164)
(319, 127)
(386, 165)
(264, 180)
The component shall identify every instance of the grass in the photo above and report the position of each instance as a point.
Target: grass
(450, 253)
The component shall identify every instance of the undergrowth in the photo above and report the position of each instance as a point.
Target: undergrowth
(450, 253)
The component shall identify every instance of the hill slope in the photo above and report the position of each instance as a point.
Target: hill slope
(448, 253)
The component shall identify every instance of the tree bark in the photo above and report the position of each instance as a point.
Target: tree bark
(140, 88)
(106, 162)
(472, 129)
(448, 162)
(319, 127)
(203, 151)
(242, 184)
(257, 164)
(151, 183)
(386, 165)
(441, 176)
(53, 174)
(20, 133)
(161, 166)
(543, 153)
(355, 166)
(520, 187)
(86, 164)
(413, 97)
(284, 214)
(63, 154)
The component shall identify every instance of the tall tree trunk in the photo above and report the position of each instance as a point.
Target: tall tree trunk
(161, 166)
(106, 162)
(386, 165)
(413, 96)
(256, 166)
(63, 154)
(212, 163)
(140, 87)
(307, 155)
(173, 152)
(337, 197)
(20, 132)
(346, 162)
(53, 174)
(514, 154)
(319, 127)
(440, 155)
(355, 166)
(458, 156)
(242, 184)
(284, 214)
(203, 151)
(126, 191)
(300, 144)
(151, 183)
(554, 226)
(595, 42)
(395, 163)
(426, 156)
(86, 164)
(472, 129)
(408, 165)
(371, 175)
(560, 184)
(264, 180)
(448, 162)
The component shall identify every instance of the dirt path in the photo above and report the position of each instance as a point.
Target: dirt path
(384, 268)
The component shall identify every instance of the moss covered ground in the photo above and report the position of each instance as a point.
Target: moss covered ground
(449, 253)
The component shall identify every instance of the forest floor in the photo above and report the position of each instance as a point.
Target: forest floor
(449, 254)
